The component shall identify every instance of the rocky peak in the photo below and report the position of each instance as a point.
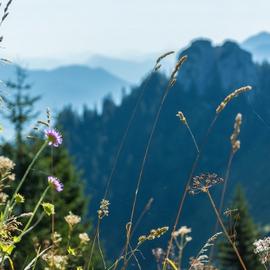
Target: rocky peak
(228, 64)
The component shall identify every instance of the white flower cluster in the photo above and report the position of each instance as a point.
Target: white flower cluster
(262, 248)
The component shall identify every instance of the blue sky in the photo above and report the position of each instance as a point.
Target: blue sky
(124, 28)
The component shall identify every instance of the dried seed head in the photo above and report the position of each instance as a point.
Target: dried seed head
(6, 167)
(203, 182)
(154, 233)
(159, 254)
(48, 113)
(234, 137)
(72, 219)
(230, 212)
(178, 65)
(158, 64)
(56, 238)
(182, 117)
(103, 209)
(44, 123)
(184, 230)
(262, 248)
(164, 56)
(84, 238)
(231, 96)
(157, 67)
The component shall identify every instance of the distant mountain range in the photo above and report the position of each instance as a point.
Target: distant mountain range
(131, 70)
(98, 76)
(259, 46)
(75, 84)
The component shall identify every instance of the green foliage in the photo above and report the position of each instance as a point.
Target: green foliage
(243, 232)
(19, 103)
(48, 228)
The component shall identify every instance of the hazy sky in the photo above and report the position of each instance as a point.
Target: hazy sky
(62, 28)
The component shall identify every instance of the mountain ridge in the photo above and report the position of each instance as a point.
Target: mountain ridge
(259, 46)
(57, 85)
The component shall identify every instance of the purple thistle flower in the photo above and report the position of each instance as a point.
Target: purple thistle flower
(54, 137)
(55, 183)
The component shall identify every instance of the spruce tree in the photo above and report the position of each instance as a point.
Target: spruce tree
(243, 232)
(20, 103)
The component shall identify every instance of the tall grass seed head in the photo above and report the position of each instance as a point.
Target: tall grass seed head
(154, 233)
(103, 209)
(182, 117)
(231, 96)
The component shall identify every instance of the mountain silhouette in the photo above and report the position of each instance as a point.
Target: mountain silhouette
(259, 46)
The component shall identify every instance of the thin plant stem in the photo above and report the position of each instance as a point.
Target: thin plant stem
(145, 210)
(171, 83)
(183, 197)
(181, 252)
(227, 175)
(124, 137)
(35, 224)
(193, 137)
(165, 93)
(93, 245)
(225, 231)
(34, 212)
(100, 249)
(53, 215)
(134, 255)
(28, 170)
(130, 254)
(32, 264)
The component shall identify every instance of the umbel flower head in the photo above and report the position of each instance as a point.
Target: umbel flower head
(54, 137)
(6, 166)
(72, 219)
(262, 248)
(203, 182)
(184, 230)
(55, 183)
(103, 209)
(84, 237)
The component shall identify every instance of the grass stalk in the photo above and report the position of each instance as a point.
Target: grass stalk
(126, 132)
(142, 171)
(183, 197)
(225, 231)
(93, 245)
(34, 212)
(221, 204)
(28, 170)
(153, 128)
